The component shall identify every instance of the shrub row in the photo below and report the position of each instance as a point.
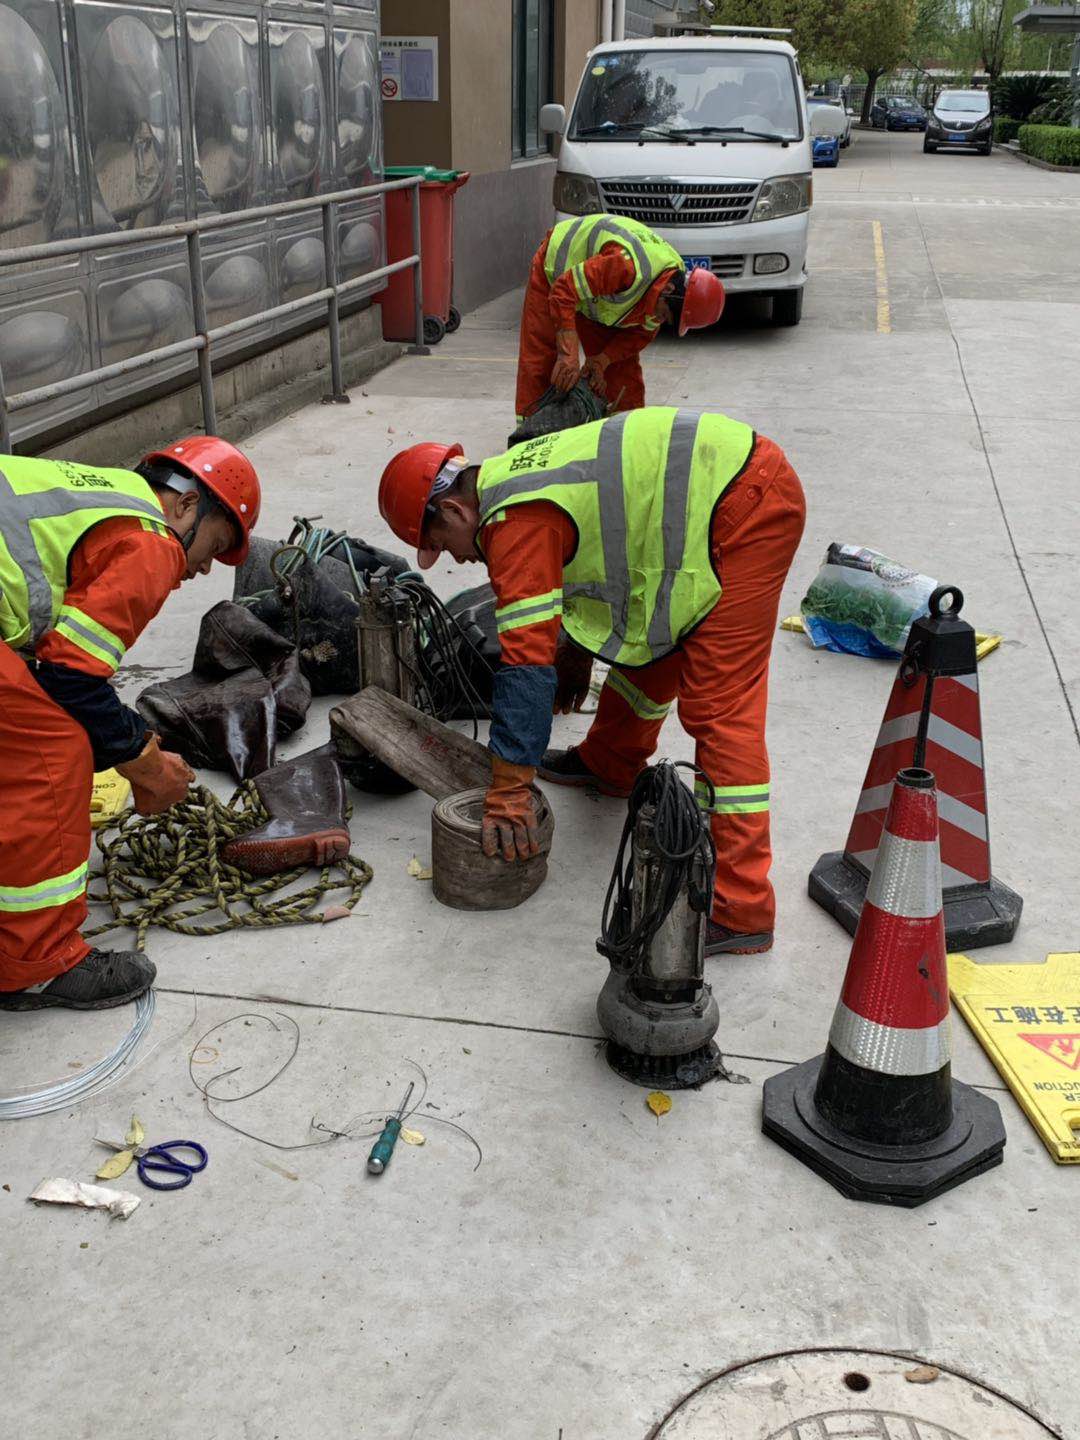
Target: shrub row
(1056, 144)
(1006, 128)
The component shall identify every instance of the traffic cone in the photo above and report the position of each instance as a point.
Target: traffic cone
(932, 719)
(879, 1114)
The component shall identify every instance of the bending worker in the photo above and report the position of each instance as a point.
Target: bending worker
(610, 283)
(87, 558)
(660, 540)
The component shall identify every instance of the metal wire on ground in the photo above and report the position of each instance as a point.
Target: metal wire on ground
(97, 1077)
(167, 870)
(684, 857)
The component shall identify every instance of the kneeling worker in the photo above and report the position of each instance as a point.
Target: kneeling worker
(87, 558)
(660, 541)
(609, 282)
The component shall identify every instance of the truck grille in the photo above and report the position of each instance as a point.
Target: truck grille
(675, 202)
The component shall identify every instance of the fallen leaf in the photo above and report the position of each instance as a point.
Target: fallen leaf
(465, 1050)
(136, 1135)
(336, 912)
(416, 870)
(922, 1374)
(115, 1166)
(658, 1103)
(412, 1137)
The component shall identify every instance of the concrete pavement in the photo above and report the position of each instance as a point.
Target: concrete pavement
(600, 1264)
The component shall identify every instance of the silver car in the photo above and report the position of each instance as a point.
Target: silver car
(962, 120)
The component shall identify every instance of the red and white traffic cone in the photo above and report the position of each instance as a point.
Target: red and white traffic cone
(879, 1114)
(932, 719)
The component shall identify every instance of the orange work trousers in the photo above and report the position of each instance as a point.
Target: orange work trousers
(720, 676)
(624, 383)
(46, 784)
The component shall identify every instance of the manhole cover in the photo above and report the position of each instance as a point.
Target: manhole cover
(845, 1395)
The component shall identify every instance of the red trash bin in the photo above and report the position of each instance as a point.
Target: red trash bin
(437, 190)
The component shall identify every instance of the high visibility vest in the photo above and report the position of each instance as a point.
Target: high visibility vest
(641, 488)
(572, 242)
(46, 507)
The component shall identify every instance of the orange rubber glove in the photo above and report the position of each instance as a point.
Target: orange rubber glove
(573, 670)
(158, 778)
(567, 368)
(593, 372)
(509, 823)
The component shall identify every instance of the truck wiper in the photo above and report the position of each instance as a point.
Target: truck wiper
(666, 132)
(736, 130)
(609, 127)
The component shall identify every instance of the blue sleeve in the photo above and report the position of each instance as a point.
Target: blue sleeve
(522, 703)
(116, 733)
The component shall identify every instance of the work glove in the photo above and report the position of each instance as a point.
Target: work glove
(573, 670)
(567, 368)
(509, 824)
(594, 371)
(158, 778)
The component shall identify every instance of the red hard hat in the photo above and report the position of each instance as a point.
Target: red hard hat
(405, 489)
(703, 303)
(229, 476)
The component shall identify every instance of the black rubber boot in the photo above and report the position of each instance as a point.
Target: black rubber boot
(566, 767)
(306, 801)
(103, 979)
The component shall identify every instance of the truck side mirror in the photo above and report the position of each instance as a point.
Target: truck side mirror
(553, 119)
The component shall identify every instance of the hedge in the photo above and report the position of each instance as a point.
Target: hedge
(1006, 128)
(1056, 144)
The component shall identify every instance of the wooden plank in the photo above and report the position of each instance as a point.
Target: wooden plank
(421, 750)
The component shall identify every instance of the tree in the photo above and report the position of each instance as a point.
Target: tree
(992, 33)
(817, 26)
(877, 36)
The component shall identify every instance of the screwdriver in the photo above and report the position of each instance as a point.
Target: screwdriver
(383, 1148)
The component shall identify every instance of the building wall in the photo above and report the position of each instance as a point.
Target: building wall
(501, 215)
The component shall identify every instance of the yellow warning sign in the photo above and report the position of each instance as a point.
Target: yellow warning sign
(1027, 1019)
(110, 797)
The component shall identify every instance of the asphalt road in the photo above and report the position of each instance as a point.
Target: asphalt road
(601, 1262)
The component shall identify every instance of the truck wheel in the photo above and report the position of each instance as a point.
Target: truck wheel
(787, 307)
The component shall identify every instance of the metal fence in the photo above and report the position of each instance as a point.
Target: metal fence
(203, 338)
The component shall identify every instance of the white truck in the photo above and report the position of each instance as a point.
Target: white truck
(705, 139)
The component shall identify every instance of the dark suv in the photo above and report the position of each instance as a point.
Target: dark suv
(897, 112)
(961, 119)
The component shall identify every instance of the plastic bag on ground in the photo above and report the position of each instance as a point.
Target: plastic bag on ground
(862, 603)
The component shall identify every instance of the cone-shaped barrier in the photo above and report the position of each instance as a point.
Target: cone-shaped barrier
(932, 719)
(879, 1114)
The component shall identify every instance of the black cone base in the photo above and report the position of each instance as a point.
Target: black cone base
(907, 1175)
(666, 1072)
(975, 916)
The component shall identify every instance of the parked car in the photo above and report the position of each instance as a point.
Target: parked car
(827, 124)
(813, 102)
(826, 151)
(897, 112)
(961, 119)
(704, 138)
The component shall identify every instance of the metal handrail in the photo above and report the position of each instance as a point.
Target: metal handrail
(200, 342)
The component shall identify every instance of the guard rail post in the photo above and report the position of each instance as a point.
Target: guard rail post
(198, 306)
(418, 348)
(337, 394)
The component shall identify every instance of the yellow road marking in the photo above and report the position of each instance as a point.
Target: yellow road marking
(884, 320)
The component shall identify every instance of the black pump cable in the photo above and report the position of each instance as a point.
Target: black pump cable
(686, 860)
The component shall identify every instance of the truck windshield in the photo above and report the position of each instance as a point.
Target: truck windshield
(718, 91)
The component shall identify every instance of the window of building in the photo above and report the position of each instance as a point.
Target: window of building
(532, 37)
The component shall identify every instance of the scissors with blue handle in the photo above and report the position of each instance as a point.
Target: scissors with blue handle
(163, 1160)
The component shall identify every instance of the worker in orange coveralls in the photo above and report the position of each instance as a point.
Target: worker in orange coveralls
(610, 283)
(87, 558)
(659, 541)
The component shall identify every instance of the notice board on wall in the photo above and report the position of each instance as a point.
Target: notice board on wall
(410, 67)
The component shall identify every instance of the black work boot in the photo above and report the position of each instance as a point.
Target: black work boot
(306, 801)
(566, 767)
(102, 979)
(720, 940)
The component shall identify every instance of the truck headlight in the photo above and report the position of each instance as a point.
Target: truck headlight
(576, 194)
(783, 195)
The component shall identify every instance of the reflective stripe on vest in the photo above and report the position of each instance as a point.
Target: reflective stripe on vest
(572, 242)
(46, 507)
(641, 489)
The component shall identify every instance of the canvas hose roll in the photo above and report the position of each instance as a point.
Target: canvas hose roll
(168, 871)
